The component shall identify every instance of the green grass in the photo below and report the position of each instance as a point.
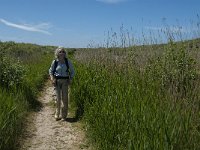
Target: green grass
(141, 97)
(22, 77)
(126, 107)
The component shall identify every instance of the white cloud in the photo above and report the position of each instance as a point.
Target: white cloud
(33, 28)
(111, 1)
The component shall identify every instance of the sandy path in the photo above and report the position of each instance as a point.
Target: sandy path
(44, 133)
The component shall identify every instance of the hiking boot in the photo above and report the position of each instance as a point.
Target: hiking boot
(57, 118)
(63, 119)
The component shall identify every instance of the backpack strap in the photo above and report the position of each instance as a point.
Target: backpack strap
(67, 64)
(55, 66)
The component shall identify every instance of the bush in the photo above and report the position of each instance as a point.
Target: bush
(12, 72)
(23, 70)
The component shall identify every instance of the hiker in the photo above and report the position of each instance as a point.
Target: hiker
(61, 74)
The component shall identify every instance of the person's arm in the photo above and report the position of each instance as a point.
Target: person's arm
(51, 72)
(71, 69)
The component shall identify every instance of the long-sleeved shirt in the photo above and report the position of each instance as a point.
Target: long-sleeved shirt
(61, 69)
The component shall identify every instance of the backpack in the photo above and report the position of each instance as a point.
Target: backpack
(56, 64)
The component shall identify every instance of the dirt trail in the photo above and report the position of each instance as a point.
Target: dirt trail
(44, 133)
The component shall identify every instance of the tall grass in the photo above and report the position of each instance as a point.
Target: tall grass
(22, 76)
(131, 104)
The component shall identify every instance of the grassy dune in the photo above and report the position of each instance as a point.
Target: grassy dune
(137, 97)
(23, 70)
(141, 97)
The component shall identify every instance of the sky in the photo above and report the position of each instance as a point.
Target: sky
(77, 23)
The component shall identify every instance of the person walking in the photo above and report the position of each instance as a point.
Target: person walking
(61, 74)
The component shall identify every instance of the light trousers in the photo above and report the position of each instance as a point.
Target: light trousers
(62, 98)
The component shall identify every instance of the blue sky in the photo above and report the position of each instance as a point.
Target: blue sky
(76, 23)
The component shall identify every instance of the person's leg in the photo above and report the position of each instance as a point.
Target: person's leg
(54, 95)
(69, 92)
(58, 94)
(64, 99)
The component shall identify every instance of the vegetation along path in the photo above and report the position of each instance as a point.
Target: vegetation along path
(44, 133)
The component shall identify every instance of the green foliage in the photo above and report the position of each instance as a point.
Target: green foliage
(23, 70)
(12, 73)
(156, 107)
(71, 51)
(175, 70)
